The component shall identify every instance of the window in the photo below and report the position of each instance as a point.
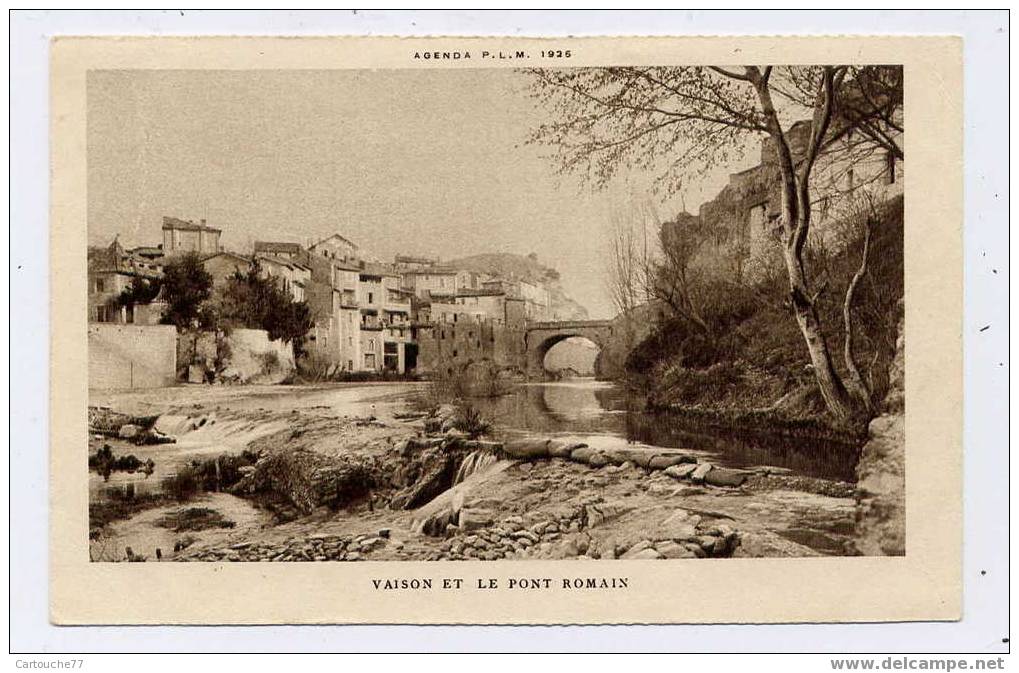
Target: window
(100, 285)
(371, 344)
(371, 298)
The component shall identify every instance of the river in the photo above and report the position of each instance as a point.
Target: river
(601, 413)
(595, 412)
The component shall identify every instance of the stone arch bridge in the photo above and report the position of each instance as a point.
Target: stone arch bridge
(540, 337)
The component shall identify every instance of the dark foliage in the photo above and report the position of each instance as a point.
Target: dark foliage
(187, 286)
(141, 291)
(469, 420)
(105, 463)
(194, 519)
(251, 299)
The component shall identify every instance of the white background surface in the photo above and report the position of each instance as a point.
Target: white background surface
(986, 467)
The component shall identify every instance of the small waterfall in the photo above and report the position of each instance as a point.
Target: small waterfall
(475, 462)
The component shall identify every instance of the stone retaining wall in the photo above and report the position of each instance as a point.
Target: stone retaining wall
(131, 356)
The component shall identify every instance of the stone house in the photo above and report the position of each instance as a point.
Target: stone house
(426, 282)
(223, 265)
(180, 236)
(338, 248)
(292, 276)
(111, 271)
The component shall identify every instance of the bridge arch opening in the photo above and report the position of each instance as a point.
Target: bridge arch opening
(541, 337)
(570, 356)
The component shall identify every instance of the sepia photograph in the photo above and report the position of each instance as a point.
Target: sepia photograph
(510, 331)
(539, 312)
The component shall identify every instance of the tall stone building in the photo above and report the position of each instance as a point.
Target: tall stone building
(180, 236)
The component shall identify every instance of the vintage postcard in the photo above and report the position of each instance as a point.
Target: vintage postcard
(506, 331)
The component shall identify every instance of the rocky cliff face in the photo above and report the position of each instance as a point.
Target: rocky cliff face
(519, 267)
(881, 486)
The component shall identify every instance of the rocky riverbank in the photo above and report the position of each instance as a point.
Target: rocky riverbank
(413, 486)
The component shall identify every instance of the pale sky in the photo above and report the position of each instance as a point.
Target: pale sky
(414, 162)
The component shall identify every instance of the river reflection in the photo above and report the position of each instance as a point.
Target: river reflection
(589, 407)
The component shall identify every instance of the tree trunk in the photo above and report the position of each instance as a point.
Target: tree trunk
(834, 392)
(796, 226)
(855, 379)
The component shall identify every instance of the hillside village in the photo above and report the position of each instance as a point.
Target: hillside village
(368, 316)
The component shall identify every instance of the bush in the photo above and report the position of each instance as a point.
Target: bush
(468, 420)
(269, 361)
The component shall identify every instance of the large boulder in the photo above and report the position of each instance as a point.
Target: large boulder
(438, 471)
(881, 471)
(681, 471)
(881, 489)
(698, 475)
(308, 480)
(663, 461)
(582, 454)
(721, 476)
(129, 431)
(527, 449)
(560, 449)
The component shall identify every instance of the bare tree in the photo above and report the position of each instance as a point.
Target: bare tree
(671, 277)
(674, 120)
(625, 266)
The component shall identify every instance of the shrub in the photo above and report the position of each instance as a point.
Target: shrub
(468, 420)
(269, 361)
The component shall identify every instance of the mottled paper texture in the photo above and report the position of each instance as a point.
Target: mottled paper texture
(923, 583)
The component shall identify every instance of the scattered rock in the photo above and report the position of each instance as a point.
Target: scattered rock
(637, 548)
(473, 519)
(672, 550)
